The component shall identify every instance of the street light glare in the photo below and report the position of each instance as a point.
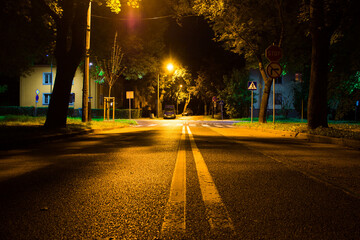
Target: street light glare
(170, 67)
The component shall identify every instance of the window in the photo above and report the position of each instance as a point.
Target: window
(47, 78)
(278, 98)
(72, 98)
(278, 80)
(46, 98)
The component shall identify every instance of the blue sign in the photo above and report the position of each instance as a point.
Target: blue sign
(37, 98)
(252, 85)
(221, 102)
(357, 103)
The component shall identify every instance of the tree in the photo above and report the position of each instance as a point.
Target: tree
(235, 94)
(69, 19)
(112, 67)
(170, 82)
(324, 18)
(247, 28)
(25, 37)
(344, 64)
(141, 42)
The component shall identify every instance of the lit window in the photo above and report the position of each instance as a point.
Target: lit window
(47, 78)
(46, 98)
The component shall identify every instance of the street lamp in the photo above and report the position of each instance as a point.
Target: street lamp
(177, 100)
(170, 68)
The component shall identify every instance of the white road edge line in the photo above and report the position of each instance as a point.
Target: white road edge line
(217, 214)
(174, 223)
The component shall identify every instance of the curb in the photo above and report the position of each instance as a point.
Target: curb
(352, 143)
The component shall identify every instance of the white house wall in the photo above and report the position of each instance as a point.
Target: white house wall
(286, 89)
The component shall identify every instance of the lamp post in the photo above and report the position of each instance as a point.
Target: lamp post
(169, 67)
(158, 97)
(177, 100)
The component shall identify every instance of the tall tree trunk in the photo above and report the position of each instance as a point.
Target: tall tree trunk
(205, 109)
(187, 101)
(59, 102)
(317, 102)
(266, 93)
(110, 86)
(69, 50)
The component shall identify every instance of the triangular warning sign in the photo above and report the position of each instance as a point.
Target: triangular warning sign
(252, 86)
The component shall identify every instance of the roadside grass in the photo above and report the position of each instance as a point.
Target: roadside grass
(72, 123)
(14, 130)
(337, 129)
(22, 125)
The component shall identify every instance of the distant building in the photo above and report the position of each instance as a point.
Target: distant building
(42, 78)
(284, 94)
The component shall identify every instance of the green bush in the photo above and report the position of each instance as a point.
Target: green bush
(124, 113)
(95, 113)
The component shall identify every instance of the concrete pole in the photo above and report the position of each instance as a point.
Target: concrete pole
(85, 108)
(158, 97)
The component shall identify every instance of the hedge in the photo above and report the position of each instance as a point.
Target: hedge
(96, 113)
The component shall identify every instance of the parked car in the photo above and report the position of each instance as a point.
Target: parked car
(188, 112)
(169, 111)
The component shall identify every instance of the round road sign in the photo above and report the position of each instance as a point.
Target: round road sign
(273, 53)
(273, 70)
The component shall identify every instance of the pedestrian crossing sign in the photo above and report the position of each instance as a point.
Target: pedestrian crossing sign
(252, 85)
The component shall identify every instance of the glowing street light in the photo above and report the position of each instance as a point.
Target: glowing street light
(170, 68)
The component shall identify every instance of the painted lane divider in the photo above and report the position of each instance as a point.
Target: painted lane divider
(217, 214)
(175, 219)
(174, 225)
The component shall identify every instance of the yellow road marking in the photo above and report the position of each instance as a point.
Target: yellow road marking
(174, 225)
(174, 220)
(217, 214)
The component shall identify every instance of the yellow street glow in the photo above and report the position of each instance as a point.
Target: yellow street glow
(170, 67)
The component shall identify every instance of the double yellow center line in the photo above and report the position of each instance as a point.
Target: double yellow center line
(174, 225)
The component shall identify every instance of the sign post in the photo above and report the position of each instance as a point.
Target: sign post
(129, 95)
(252, 86)
(273, 54)
(274, 100)
(221, 102)
(214, 99)
(36, 100)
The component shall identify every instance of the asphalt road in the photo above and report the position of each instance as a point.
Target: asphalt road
(180, 179)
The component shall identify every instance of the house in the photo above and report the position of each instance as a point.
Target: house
(41, 79)
(284, 94)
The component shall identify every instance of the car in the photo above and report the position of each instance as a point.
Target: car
(188, 112)
(169, 111)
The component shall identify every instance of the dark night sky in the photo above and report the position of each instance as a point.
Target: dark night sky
(192, 44)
